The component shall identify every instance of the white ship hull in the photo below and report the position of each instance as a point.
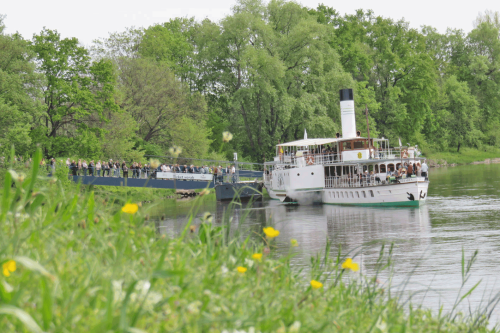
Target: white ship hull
(307, 185)
(406, 194)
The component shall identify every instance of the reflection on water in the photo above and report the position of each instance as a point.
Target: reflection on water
(462, 212)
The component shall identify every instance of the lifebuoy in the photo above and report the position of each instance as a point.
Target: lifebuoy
(310, 160)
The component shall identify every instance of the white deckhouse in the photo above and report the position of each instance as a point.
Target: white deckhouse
(347, 170)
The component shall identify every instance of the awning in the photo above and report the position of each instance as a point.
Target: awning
(317, 142)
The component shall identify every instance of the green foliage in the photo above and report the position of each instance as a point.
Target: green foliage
(265, 72)
(157, 101)
(169, 43)
(15, 129)
(74, 88)
(119, 138)
(192, 137)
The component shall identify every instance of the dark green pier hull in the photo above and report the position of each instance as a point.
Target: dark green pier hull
(245, 191)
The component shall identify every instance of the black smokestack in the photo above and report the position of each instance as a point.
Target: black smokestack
(346, 95)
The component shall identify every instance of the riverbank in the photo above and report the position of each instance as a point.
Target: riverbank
(73, 263)
(465, 156)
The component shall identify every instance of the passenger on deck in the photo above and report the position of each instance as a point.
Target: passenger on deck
(219, 173)
(425, 169)
(410, 169)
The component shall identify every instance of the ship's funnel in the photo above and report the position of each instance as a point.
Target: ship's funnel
(347, 114)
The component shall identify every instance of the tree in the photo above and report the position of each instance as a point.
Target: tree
(463, 112)
(272, 67)
(74, 86)
(170, 43)
(118, 45)
(484, 69)
(18, 92)
(156, 99)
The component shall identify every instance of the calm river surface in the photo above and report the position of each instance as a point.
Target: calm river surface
(462, 211)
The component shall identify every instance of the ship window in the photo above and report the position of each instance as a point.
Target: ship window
(357, 193)
(376, 168)
(346, 145)
(359, 144)
(382, 168)
(371, 193)
(364, 194)
(390, 167)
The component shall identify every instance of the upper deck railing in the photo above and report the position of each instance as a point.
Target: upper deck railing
(334, 158)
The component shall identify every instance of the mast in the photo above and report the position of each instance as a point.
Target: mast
(368, 132)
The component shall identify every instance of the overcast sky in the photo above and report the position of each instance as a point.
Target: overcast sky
(91, 19)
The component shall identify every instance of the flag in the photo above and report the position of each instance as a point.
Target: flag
(305, 134)
(400, 142)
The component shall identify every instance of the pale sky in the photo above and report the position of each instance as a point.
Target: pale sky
(92, 19)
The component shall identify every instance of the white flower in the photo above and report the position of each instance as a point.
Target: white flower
(249, 263)
(194, 307)
(295, 327)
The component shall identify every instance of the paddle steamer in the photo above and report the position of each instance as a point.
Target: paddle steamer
(347, 170)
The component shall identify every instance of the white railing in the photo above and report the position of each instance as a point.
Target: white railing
(346, 181)
(366, 181)
(332, 158)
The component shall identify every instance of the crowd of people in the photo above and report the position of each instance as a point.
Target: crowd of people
(138, 170)
(409, 169)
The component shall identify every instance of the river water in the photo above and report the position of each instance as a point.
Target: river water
(462, 212)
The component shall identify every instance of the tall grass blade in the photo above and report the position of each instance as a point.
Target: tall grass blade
(46, 304)
(24, 317)
(6, 195)
(33, 266)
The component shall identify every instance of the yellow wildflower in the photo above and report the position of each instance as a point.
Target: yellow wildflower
(130, 208)
(8, 267)
(316, 284)
(348, 264)
(294, 242)
(271, 232)
(257, 256)
(175, 151)
(227, 136)
(241, 269)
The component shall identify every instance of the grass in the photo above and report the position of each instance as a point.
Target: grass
(83, 265)
(465, 156)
